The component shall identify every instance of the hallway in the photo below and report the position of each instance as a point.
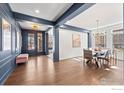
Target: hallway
(41, 70)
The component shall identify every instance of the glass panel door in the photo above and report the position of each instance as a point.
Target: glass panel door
(35, 43)
(39, 42)
(31, 42)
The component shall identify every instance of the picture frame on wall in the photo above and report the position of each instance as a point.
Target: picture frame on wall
(6, 35)
(76, 40)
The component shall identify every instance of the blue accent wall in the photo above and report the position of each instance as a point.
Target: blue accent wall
(7, 58)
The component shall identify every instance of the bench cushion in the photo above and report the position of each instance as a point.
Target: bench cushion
(22, 58)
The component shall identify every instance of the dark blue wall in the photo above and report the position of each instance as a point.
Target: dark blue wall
(7, 58)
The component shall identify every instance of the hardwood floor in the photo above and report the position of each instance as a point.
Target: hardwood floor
(42, 71)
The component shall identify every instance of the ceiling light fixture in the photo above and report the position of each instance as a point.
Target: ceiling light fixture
(35, 27)
(37, 11)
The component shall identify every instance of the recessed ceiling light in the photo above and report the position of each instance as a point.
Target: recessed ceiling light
(37, 11)
(61, 26)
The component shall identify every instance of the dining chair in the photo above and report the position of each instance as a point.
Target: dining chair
(88, 55)
(104, 56)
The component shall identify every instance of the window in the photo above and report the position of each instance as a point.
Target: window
(118, 38)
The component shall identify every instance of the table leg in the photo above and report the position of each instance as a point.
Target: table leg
(96, 63)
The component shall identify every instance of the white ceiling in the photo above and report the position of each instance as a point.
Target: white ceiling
(28, 25)
(105, 13)
(48, 11)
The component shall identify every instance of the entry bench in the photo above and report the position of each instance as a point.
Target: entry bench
(22, 58)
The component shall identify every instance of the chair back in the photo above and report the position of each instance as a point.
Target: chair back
(106, 53)
(87, 54)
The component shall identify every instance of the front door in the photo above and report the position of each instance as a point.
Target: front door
(35, 43)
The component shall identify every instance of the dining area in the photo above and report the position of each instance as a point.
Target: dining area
(100, 57)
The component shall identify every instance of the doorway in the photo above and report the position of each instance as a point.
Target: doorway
(33, 42)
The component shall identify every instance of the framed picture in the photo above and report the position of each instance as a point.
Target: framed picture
(76, 40)
(6, 35)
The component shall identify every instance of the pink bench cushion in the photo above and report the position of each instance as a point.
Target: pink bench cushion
(22, 58)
